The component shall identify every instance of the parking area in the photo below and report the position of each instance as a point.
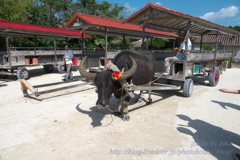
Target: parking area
(67, 124)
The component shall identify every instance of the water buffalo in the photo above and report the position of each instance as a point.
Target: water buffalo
(139, 68)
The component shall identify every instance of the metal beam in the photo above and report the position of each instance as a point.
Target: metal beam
(138, 88)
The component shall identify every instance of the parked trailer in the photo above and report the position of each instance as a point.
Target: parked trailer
(14, 59)
(15, 62)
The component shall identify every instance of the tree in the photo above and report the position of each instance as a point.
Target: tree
(157, 43)
(50, 13)
(101, 9)
(13, 10)
(235, 27)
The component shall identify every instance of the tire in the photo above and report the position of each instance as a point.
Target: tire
(188, 87)
(4, 76)
(23, 73)
(48, 68)
(59, 68)
(214, 77)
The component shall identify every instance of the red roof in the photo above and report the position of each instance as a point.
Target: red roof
(94, 20)
(31, 27)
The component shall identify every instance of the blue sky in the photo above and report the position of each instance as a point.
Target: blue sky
(223, 12)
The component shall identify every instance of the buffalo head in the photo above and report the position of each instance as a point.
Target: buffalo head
(105, 83)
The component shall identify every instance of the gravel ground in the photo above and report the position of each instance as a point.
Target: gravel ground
(66, 125)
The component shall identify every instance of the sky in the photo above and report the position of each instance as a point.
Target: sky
(223, 12)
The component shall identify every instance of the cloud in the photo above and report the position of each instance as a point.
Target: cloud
(222, 13)
(159, 3)
(129, 8)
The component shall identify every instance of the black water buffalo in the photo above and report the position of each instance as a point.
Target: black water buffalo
(139, 68)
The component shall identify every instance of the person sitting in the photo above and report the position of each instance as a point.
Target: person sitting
(180, 56)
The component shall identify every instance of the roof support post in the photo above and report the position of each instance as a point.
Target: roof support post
(147, 43)
(232, 57)
(216, 45)
(151, 42)
(186, 48)
(124, 42)
(55, 50)
(201, 42)
(7, 46)
(179, 42)
(106, 39)
(83, 45)
(216, 48)
(35, 44)
(143, 36)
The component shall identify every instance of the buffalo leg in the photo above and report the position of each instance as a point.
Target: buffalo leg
(125, 115)
(118, 104)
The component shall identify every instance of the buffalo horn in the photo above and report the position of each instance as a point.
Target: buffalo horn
(131, 71)
(84, 73)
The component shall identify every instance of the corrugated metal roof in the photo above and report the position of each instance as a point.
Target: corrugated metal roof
(22, 28)
(226, 40)
(92, 23)
(162, 18)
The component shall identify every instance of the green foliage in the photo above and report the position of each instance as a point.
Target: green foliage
(101, 9)
(235, 27)
(207, 47)
(13, 10)
(157, 43)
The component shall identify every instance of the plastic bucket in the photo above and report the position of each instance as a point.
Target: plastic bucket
(197, 68)
(75, 61)
(27, 61)
(35, 61)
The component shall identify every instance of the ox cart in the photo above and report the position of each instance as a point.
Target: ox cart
(195, 63)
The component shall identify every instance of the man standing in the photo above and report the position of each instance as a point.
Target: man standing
(68, 57)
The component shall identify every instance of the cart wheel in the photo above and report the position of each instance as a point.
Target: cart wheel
(214, 77)
(4, 76)
(48, 68)
(23, 73)
(59, 67)
(188, 87)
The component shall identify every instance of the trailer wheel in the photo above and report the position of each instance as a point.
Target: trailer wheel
(4, 76)
(214, 77)
(48, 68)
(59, 67)
(23, 73)
(188, 87)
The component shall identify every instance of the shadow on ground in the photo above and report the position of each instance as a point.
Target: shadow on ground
(212, 139)
(227, 105)
(97, 115)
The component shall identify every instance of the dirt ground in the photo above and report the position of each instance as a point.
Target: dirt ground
(66, 125)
